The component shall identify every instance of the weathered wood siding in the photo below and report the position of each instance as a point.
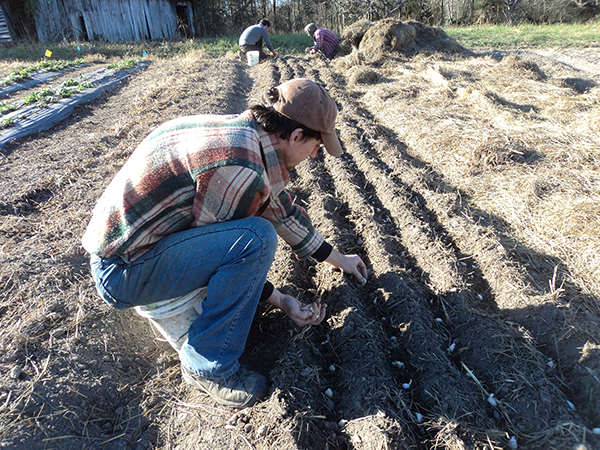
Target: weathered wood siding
(4, 31)
(106, 20)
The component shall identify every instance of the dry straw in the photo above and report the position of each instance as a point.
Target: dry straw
(520, 142)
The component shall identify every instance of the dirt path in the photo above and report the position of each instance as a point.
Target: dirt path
(455, 342)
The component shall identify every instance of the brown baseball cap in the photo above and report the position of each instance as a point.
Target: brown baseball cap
(310, 104)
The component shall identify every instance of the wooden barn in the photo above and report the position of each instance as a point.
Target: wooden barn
(100, 20)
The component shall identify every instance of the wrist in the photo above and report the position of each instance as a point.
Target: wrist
(275, 299)
(335, 258)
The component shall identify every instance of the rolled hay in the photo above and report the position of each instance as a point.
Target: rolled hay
(354, 33)
(431, 39)
(384, 37)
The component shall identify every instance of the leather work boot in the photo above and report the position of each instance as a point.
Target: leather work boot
(243, 388)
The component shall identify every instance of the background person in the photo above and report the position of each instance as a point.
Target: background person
(326, 42)
(201, 202)
(252, 39)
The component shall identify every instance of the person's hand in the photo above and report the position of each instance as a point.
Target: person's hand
(308, 49)
(300, 313)
(273, 54)
(351, 264)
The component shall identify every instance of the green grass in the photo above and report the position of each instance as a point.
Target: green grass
(288, 44)
(35, 52)
(217, 46)
(527, 35)
(291, 44)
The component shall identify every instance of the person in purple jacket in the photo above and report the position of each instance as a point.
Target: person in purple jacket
(252, 39)
(201, 203)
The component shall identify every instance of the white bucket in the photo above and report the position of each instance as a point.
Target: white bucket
(173, 317)
(252, 57)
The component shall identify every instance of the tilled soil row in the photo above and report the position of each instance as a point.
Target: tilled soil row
(392, 289)
(494, 279)
(351, 355)
(515, 361)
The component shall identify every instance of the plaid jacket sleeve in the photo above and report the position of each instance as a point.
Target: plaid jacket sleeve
(291, 221)
(192, 172)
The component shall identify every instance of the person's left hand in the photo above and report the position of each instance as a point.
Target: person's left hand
(351, 264)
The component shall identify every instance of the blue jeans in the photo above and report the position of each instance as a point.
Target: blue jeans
(231, 258)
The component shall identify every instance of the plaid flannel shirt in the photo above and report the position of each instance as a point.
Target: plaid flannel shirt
(326, 40)
(192, 172)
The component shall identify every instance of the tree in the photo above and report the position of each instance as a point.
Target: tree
(291, 16)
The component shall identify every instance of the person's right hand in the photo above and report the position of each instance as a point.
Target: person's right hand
(300, 313)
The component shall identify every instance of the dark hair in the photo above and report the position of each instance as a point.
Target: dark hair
(273, 121)
(265, 23)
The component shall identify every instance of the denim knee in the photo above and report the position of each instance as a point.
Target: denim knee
(265, 231)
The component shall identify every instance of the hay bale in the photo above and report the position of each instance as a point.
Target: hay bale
(432, 40)
(354, 33)
(384, 37)
(379, 40)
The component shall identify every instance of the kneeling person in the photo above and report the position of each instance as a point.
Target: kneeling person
(326, 42)
(200, 203)
(252, 39)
